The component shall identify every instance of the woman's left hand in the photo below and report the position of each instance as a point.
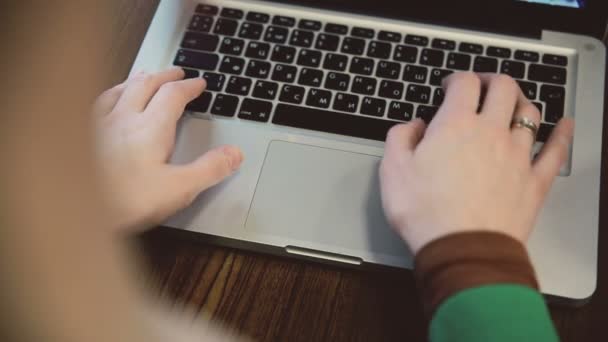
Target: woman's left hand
(136, 123)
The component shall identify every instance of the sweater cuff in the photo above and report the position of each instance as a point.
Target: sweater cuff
(461, 261)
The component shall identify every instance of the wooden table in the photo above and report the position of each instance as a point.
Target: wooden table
(270, 298)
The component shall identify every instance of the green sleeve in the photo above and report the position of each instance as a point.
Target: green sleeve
(494, 313)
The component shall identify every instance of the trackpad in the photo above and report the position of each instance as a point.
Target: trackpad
(322, 196)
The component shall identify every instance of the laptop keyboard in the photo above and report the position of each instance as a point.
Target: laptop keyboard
(353, 81)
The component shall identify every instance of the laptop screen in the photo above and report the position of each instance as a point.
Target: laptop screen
(563, 3)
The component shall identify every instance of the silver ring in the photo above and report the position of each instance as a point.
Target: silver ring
(523, 122)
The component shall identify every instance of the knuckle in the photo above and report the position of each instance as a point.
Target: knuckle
(531, 110)
(470, 77)
(506, 82)
(171, 87)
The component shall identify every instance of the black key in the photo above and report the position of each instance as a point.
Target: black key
(485, 64)
(310, 58)
(258, 17)
(346, 102)
(238, 85)
(232, 65)
(513, 69)
(372, 106)
(189, 73)
(388, 70)
(215, 82)
(544, 132)
(401, 111)
(494, 51)
(438, 96)
(437, 76)
(232, 13)
(284, 73)
(416, 40)
(542, 73)
(527, 56)
(255, 110)
(265, 90)
(200, 41)
(426, 113)
(529, 89)
(364, 85)
(201, 23)
(362, 32)
(301, 38)
(391, 90)
(283, 21)
(224, 105)
(206, 9)
(554, 98)
(379, 50)
(335, 62)
(389, 36)
(418, 93)
(405, 53)
(336, 28)
(257, 50)
(443, 44)
(353, 46)
(432, 57)
(251, 31)
(332, 122)
(312, 25)
(539, 106)
(413, 73)
(275, 34)
(327, 42)
(283, 54)
(471, 48)
(232, 46)
(226, 27)
(363, 66)
(459, 61)
(318, 98)
(258, 69)
(197, 60)
(337, 81)
(201, 103)
(292, 94)
(555, 59)
(311, 77)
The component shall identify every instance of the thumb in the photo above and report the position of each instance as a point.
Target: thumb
(208, 170)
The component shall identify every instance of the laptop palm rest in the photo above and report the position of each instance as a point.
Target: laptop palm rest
(322, 198)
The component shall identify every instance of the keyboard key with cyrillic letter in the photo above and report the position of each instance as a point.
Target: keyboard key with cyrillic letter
(197, 60)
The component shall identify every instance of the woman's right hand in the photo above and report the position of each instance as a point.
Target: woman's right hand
(469, 170)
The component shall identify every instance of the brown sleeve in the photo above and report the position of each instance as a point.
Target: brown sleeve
(460, 261)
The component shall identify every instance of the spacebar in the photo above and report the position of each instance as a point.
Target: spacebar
(331, 122)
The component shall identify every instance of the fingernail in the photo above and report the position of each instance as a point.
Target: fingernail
(235, 156)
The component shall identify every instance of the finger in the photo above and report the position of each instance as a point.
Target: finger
(106, 102)
(501, 97)
(402, 139)
(208, 170)
(142, 87)
(522, 136)
(553, 154)
(172, 97)
(462, 92)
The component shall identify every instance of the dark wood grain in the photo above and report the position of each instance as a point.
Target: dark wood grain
(277, 299)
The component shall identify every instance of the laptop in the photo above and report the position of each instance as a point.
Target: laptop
(308, 89)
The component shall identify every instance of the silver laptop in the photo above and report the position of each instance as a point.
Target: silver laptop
(308, 89)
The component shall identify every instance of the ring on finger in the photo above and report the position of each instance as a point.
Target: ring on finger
(525, 123)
